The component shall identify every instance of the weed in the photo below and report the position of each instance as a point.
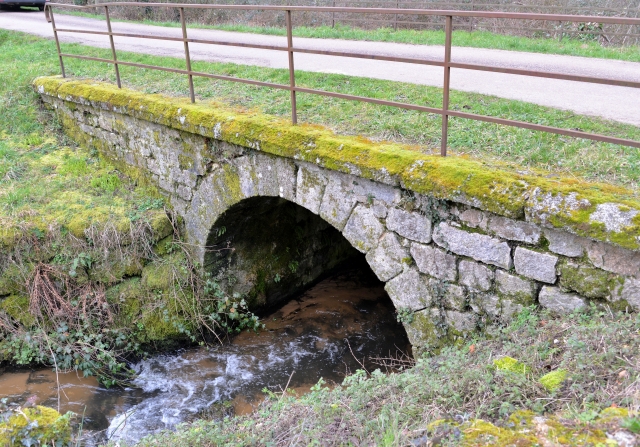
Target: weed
(632, 424)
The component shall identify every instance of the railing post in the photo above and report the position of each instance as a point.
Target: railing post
(113, 47)
(292, 75)
(333, 16)
(445, 87)
(55, 35)
(186, 55)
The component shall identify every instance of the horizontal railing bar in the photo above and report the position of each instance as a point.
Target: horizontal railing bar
(476, 6)
(538, 74)
(181, 71)
(407, 60)
(381, 102)
(546, 74)
(176, 39)
(548, 129)
(471, 116)
(329, 9)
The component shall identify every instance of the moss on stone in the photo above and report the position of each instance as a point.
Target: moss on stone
(454, 178)
(17, 307)
(10, 279)
(587, 281)
(552, 381)
(41, 424)
(512, 365)
(160, 275)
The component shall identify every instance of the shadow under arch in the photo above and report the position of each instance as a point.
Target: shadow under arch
(270, 249)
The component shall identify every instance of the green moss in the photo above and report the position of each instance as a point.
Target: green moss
(41, 424)
(552, 381)
(452, 178)
(164, 246)
(512, 365)
(424, 333)
(587, 281)
(160, 275)
(479, 432)
(11, 279)
(17, 307)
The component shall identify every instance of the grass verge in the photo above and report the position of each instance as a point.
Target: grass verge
(460, 397)
(461, 38)
(507, 147)
(92, 269)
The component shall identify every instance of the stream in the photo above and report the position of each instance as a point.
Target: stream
(323, 333)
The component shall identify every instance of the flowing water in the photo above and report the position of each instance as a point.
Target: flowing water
(325, 332)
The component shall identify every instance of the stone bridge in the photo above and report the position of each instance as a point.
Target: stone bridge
(273, 206)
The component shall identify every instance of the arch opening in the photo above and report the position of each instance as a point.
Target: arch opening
(291, 264)
(269, 249)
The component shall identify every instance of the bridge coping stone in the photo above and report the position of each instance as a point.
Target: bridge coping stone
(453, 265)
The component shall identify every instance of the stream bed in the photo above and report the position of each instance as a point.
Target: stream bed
(323, 333)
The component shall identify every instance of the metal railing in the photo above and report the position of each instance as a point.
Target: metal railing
(446, 63)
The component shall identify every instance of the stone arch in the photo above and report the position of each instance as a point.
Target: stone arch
(366, 214)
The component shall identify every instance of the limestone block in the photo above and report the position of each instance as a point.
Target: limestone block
(480, 247)
(184, 192)
(343, 191)
(451, 296)
(516, 287)
(613, 217)
(363, 229)
(389, 258)
(630, 292)
(434, 261)
(379, 209)
(515, 230)
(475, 275)
(310, 186)
(509, 308)
(474, 218)
(564, 243)
(258, 176)
(485, 303)
(286, 173)
(560, 302)
(412, 225)
(586, 280)
(461, 321)
(614, 259)
(409, 290)
(535, 265)
(426, 330)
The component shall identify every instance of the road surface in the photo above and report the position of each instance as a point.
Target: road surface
(616, 103)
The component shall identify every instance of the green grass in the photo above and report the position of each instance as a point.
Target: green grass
(45, 177)
(457, 386)
(25, 57)
(477, 39)
(499, 145)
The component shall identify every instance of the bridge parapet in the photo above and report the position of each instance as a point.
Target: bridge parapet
(458, 243)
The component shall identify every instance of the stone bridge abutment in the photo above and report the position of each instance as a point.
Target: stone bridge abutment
(458, 244)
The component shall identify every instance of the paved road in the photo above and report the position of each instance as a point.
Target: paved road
(616, 103)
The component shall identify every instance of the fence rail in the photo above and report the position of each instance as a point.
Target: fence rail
(290, 49)
(606, 34)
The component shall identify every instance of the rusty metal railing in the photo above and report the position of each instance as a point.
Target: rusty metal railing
(446, 63)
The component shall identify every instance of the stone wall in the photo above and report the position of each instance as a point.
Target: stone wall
(451, 265)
